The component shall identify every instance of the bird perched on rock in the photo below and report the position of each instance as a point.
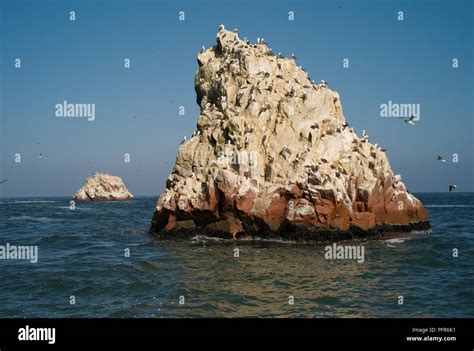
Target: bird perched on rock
(221, 27)
(440, 158)
(324, 84)
(293, 56)
(183, 141)
(365, 137)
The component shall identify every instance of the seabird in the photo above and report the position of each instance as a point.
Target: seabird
(410, 120)
(183, 141)
(40, 155)
(221, 27)
(3, 181)
(365, 137)
(203, 49)
(293, 56)
(440, 158)
(324, 83)
(452, 187)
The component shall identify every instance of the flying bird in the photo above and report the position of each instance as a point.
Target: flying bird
(40, 155)
(3, 181)
(410, 120)
(440, 158)
(452, 187)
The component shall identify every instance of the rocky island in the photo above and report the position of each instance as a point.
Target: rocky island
(273, 156)
(103, 187)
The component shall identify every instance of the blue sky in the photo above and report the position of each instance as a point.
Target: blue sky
(407, 61)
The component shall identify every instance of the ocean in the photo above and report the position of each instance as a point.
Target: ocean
(99, 261)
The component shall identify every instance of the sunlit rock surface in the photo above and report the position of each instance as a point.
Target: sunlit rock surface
(103, 187)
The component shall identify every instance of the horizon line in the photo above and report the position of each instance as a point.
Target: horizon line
(148, 195)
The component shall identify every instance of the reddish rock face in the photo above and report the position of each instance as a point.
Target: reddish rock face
(274, 156)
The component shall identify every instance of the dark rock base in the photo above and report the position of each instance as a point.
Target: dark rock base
(293, 234)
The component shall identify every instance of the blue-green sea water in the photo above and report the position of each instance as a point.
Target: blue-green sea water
(82, 253)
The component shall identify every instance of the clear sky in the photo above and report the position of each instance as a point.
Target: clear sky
(81, 61)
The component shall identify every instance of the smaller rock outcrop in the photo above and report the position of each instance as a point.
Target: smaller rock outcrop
(103, 187)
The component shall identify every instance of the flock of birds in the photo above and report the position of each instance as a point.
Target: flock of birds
(411, 121)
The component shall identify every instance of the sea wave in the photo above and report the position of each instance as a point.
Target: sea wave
(30, 218)
(449, 206)
(26, 202)
(394, 241)
(76, 208)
